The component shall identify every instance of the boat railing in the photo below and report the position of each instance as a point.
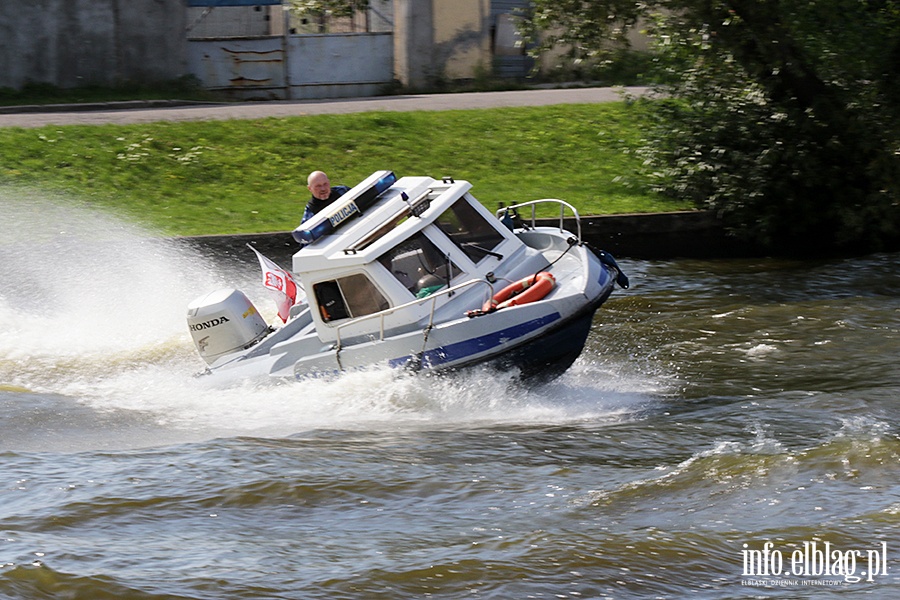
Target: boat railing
(433, 298)
(563, 205)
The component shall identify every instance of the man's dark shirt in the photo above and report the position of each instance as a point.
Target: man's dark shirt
(315, 205)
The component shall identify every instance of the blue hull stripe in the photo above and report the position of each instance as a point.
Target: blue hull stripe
(473, 346)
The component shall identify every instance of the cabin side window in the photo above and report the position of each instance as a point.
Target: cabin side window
(348, 297)
(419, 265)
(469, 230)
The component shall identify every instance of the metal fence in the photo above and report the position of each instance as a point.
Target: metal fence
(243, 18)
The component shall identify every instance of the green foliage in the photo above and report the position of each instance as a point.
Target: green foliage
(622, 66)
(337, 8)
(782, 115)
(211, 177)
(584, 27)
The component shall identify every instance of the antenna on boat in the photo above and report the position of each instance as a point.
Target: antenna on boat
(418, 206)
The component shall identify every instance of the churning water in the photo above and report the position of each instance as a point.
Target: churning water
(730, 431)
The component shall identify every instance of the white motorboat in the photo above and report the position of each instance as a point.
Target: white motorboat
(415, 273)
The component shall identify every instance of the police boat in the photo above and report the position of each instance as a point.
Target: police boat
(414, 273)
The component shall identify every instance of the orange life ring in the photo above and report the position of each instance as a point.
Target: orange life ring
(527, 289)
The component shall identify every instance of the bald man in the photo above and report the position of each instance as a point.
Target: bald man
(322, 192)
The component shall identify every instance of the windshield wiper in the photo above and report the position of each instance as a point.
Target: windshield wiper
(496, 255)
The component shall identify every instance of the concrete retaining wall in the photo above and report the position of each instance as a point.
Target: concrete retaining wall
(644, 236)
(694, 234)
(73, 43)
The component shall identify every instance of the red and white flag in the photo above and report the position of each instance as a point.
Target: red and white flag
(280, 284)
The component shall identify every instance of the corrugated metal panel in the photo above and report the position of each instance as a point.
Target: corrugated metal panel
(318, 66)
(341, 59)
(235, 63)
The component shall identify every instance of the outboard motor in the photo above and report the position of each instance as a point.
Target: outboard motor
(224, 321)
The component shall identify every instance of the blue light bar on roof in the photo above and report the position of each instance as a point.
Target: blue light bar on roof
(346, 207)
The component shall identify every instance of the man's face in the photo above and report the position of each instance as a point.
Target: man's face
(320, 187)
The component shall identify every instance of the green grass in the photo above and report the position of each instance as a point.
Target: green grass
(247, 176)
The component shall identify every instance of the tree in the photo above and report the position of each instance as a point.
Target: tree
(336, 8)
(782, 115)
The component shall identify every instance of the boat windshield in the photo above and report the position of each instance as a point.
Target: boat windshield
(419, 265)
(469, 230)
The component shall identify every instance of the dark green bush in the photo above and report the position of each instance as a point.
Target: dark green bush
(784, 116)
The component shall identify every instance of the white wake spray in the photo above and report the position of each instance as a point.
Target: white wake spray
(93, 308)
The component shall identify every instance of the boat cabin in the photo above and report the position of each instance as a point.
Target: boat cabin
(395, 255)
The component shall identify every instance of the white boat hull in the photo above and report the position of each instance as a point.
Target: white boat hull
(540, 337)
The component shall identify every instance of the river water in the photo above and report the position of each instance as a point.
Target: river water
(731, 431)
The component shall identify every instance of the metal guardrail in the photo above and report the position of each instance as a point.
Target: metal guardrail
(563, 205)
(417, 302)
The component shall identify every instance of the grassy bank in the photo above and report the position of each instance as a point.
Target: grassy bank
(250, 176)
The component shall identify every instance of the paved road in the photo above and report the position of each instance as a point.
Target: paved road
(97, 114)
